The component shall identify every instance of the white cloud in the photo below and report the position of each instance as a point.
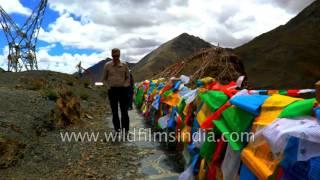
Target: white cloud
(66, 62)
(112, 23)
(3, 58)
(72, 33)
(14, 6)
(291, 6)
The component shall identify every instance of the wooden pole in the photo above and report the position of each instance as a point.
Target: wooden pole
(317, 85)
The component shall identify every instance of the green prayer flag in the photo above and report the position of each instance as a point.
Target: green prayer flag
(283, 92)
(214, 99)
(298, 108)
(208, 147)
(167, 93)
(234, 121)
(181, 106)
(139, 97)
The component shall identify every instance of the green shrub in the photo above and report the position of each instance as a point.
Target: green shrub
(84, 96)
(86, 83)
(51, 94)
(70, 83)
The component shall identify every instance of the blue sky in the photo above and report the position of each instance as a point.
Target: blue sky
(86, 31)
(58, 49)
(50, 17)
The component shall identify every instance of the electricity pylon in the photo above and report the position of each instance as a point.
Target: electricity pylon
(22, 41)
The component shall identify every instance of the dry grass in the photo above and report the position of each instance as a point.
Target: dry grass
(32, 83)
(10, 152)
(219, 63)
(67, 109)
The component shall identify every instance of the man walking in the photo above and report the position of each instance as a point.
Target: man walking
(116, 77)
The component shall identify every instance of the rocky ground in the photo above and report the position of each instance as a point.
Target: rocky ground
(30, 139)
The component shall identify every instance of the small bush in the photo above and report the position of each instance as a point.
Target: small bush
(70, 83)
(51, 94)
(35, 84)
(66, 91)
(86, 83)
(84, 96)
(67, 109)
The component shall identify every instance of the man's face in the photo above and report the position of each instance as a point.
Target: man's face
(115, 55)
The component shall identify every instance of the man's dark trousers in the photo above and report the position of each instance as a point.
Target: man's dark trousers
(119, 95)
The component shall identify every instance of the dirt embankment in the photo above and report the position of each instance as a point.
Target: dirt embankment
(35, 108)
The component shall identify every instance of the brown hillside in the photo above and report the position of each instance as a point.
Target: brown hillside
(167, 54)
(288, 56)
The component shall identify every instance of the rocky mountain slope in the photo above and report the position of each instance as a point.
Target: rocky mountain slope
(288, 56)
(167, 54)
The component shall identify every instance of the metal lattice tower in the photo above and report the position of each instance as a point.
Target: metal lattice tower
(22, 41)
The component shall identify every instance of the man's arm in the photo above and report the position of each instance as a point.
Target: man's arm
(127, 74)
(105, 74)
(131, 80)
